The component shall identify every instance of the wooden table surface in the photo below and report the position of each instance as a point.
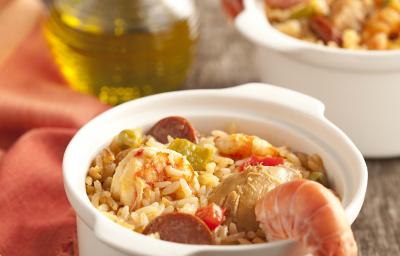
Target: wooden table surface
(225, 58)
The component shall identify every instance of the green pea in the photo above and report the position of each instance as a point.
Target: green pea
(129, 139)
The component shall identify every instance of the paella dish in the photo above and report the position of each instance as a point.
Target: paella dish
(224, 188)
(348, 24)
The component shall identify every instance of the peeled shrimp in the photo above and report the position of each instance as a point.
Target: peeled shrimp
(307, 211)
(146, 166)
(240, 145)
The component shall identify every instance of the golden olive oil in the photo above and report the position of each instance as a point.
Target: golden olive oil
(124, 62)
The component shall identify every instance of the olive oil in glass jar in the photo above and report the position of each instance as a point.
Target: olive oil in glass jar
(122, 49)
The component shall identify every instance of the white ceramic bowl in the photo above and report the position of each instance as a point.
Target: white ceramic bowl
(281, 116)
(360, 88)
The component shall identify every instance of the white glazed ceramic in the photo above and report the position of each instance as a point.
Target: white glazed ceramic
(360, 89)
(281, 116)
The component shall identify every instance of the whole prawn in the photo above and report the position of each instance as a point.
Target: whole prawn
(307, 211)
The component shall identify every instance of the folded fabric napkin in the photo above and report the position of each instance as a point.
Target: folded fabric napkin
(38, 116)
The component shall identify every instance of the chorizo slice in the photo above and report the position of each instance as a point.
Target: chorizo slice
(174, 126)
(180, 228)
(324, 30)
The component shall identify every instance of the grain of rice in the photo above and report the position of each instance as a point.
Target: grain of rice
(103, 197)
(225, 171)
(97, 186)
(232, 228)
(95, 172)
(243, 241)
(95, 199)
(123, 212)
(223, 161)
(107, 183)
(203, 201)
(103, 208)
(257, 240)
(188, 208)
(195, 182)
(171, 188)
(218, 133)
(185, 188)
(294, 159)
(190, 200)
(222, 231)
(168, 209)
(145, 202)
(172, 172)
(151, 142)
(152, 196)
(170, 138)
(234, 237)
(210, 167)
(208, 179)
(89, 190)
(89, 180)
(148, 209)
(162, 184)
(166, 202)
(157, 194)
(154, 235)
(112, 203)
(143, 220)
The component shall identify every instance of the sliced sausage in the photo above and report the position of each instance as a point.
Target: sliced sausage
(324, 30)
(174, 126)
(283, 4)
(180, 228)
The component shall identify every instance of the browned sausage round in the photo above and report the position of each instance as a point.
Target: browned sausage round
(325, 30)
(180, 228)
(174, 126)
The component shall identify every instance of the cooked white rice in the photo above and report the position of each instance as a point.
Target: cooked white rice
(157, 200)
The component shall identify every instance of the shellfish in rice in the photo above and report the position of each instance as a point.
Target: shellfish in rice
(145, 166)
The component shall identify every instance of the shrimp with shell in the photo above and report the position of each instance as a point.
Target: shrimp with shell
(310, 213)
(239, 145)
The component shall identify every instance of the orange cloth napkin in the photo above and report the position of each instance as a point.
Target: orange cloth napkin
(38, 116)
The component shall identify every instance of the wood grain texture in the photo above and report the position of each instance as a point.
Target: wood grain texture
(225, 58)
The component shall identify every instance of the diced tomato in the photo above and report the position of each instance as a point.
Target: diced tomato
(266, 161)
(212, 215)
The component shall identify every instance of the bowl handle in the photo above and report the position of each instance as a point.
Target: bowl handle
(253, 24)
(283, 96)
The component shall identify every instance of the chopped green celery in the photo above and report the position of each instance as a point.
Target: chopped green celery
(198, 156)
(318, 177)
(129, 139)
(303, 11)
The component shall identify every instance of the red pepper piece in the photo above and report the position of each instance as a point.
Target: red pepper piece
(266, 161)
(212, 215)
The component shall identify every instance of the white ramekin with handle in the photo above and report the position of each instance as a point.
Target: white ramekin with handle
(361, 89)
(282, 116)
